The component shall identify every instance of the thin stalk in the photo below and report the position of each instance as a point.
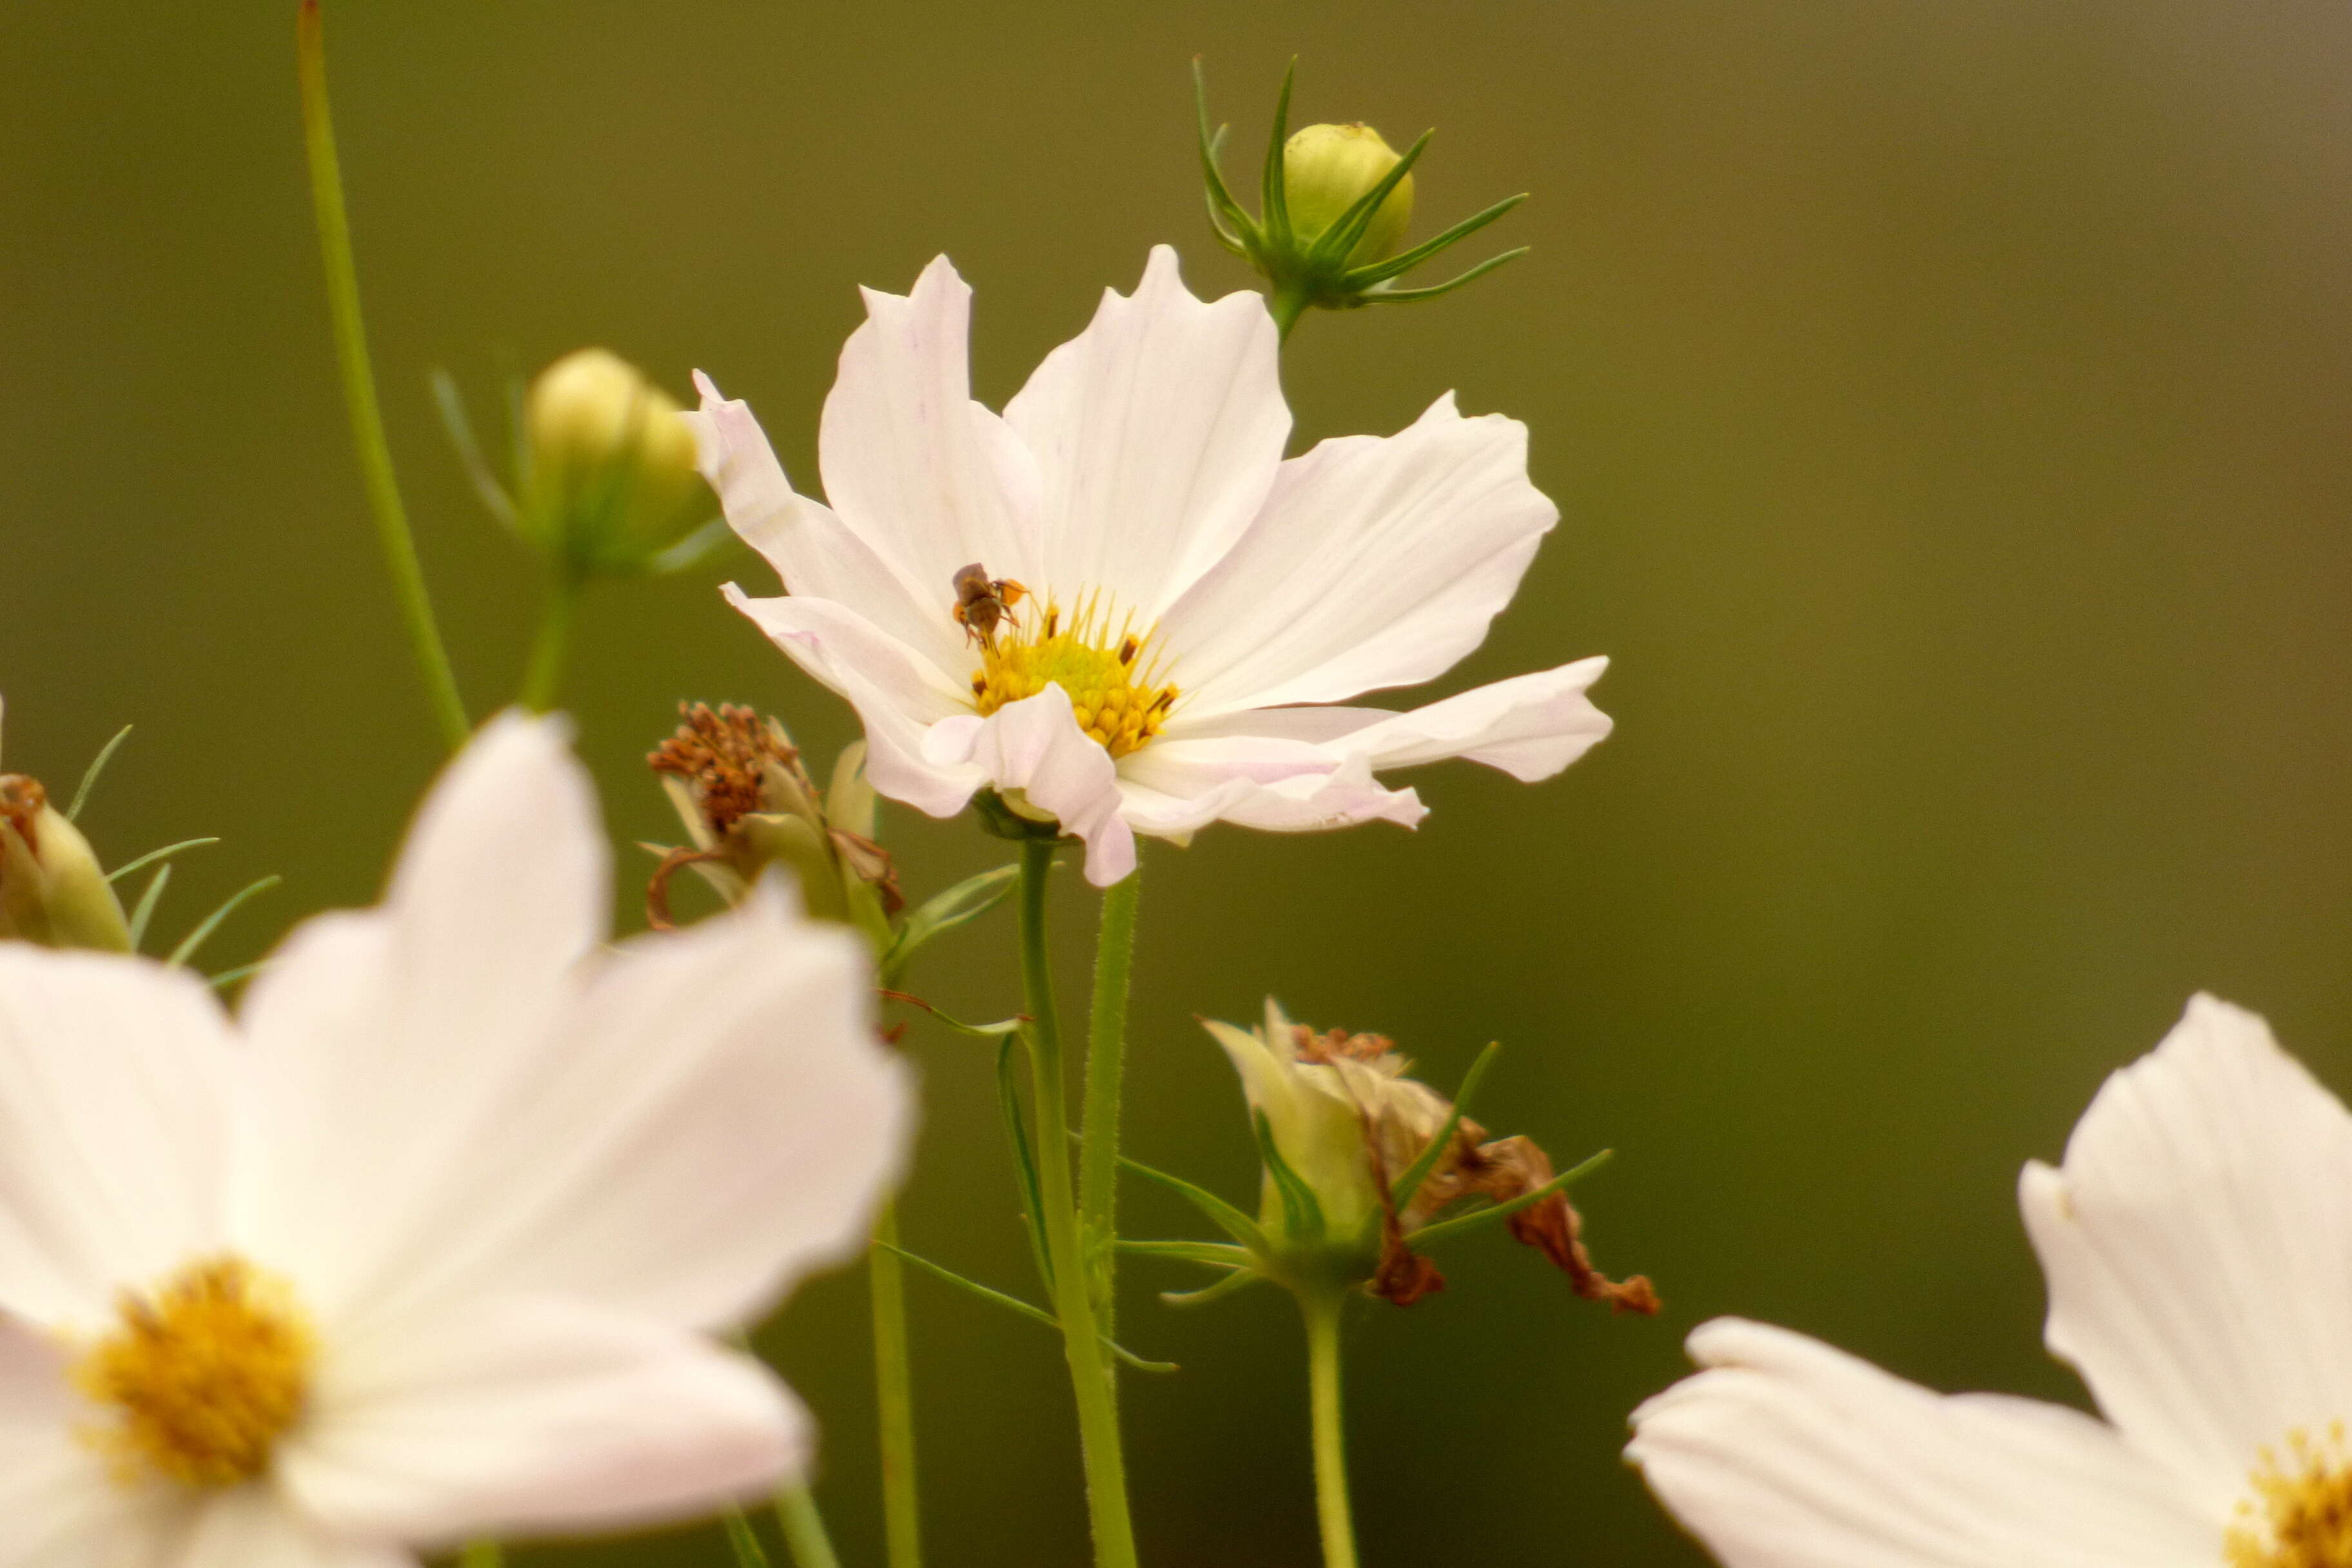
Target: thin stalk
(1322, 1311)
(544, 682)
(1286, 305)
(1106, 1066)
(894, 1395)
(1090, 1374)
(803, 1528)
(358, 385)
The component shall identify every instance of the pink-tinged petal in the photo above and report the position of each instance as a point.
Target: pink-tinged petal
(1157, 433)
(929, 480)
(60, 1502)
(812, 549)
(1375, 564)
(1530, 726)
(529, 1415)
(387, 1045)
(722, 1120)
(898, 693)
(1274, 785)
(1035, 746)
(253, 1528)
(118, 1091)
(2198, 1241)
(1788, 1454)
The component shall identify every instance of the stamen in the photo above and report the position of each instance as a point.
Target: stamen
(2300, 1515)
(1110, 670)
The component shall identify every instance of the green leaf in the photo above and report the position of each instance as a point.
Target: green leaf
(1226, 1217)
(983, 1031)
(1409, 296)
(958, 906)
(745, 1541)
(1238, 1280)
(211, 922)
(1301, 1210)
(1481, 1218)
(1015, 1304)
(229, 978)
(1235, 228)
(1214, 1253)
(152, 856)
(1397, 266)
(89, 774)
(1025, 1167)
(705, 544)
(1274, 200)
(146, 910)
(1418, 1172)
(451, 403)
(1332, 248)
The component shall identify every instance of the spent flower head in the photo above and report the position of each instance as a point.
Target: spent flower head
(1333, 206)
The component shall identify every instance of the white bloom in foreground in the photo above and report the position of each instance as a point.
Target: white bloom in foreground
(2197, 1242)
(1172, 589)
(423, 1244)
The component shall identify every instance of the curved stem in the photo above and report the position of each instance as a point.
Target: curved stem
(1106, 1066)
(1090, 1375)
(543, 681)
(1286, 305)
(1322, 1312)
(803, 1528)
(894, 1396)
(359, 384)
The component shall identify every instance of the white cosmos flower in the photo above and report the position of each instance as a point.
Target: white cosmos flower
(2197, 1242)
(424, 1244)
(1187, 588)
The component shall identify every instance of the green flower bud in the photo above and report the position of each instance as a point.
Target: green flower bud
(1325, 169)
(612, 475)
(52, 889)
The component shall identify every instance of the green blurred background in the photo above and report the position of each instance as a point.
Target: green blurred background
(1948, 407)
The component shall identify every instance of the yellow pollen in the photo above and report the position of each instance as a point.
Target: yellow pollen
(2301, 1513)
(200, 1376)
(1110, 669)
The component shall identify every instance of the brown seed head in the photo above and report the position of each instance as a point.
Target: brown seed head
(723, 756)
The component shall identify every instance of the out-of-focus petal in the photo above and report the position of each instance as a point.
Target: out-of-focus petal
(930, 479)
(1374, 563)
(60, 1503)
(2198, 1241)
(1788, 1454)
(1157, 433)
(898, 694)
(388, 1045)
(525, 1415)
(693, 1183)
(251, 1527)
(117, 1094)
(811, 548)
(1035, 746)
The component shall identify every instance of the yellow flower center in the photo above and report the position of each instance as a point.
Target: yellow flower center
(2300, 1515)
(1110, 670)
(200, 1376)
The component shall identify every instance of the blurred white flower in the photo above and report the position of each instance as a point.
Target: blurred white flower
(2197, 1242)
(426, 1243)
(1171, 589)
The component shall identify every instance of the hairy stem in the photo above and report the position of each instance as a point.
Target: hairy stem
(1322, 1311)
(1106, 1066)
(894, 1395)
(803, 1528)
(358, 385)
(1090, 1376)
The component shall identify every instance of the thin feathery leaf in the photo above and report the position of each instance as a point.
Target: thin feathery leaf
(146, 910)
(1407, 295)
(152, 856)
(89, 774)
(1015, 1304)
(744, 1540)
(1223, 1214)
(1404, 261)
(1274, 200)
(1024, 1166)
(1418, 1172)
(212, 922)
(1300, 1209)
(1481, 1218)
(1213, 1254)
(451, 403)
(1238, 1280)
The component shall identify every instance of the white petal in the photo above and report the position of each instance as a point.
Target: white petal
(1530, 726)
(1789, 1454)
(532, 1416)
(60, 1503)
(898, 693)
(929, 480)
(813, 550)
(2197, 1242)
(117, 1094)
(389, 1045)
(1172, 787)
(1035, 746)
(253, 1528)
(1157, 433)
(721, 1119)
(1375, 564)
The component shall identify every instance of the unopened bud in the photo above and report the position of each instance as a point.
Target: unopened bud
(1325, 169)
(52, 889)
(612, 464)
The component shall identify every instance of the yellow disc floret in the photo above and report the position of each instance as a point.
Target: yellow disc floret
(1110, 670)
(2300, 1515)
(200, 1376)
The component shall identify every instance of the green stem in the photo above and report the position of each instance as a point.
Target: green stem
(1090, 1374)
(1322, 1311)
(543, 681)
(803, 1528)
(1286, 304)
(482, 1554)
(359, 384)
(1106, 1065)
(894, 1395)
